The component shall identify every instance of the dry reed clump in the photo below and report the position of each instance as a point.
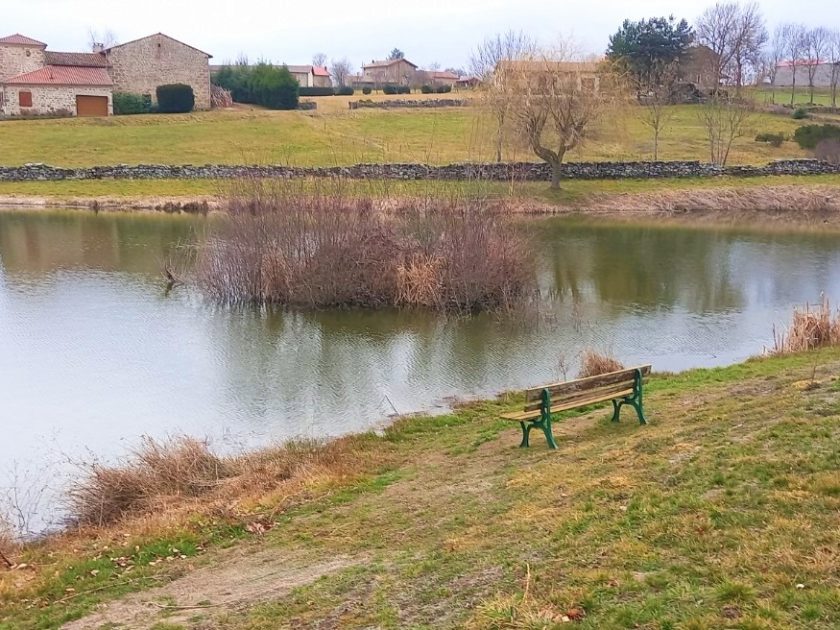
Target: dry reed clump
(179, 467)
(182, 472)
(593, 364)
(292, 246)
(809, 330)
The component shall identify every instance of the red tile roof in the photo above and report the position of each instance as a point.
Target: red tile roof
(63, 75)
(320, 71)
(85, 60)
(445, 75)
(21, 40)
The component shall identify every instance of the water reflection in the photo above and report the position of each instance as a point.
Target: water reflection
(94, 352)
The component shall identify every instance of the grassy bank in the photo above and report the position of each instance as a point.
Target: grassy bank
(334, 136)
(784, 201)
(720, 513)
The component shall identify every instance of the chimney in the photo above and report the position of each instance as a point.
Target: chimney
(98, 48)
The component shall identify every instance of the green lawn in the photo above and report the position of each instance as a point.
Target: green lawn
(721, 513)
(339, 137)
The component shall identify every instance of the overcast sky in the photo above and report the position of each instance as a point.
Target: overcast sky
(429, 31)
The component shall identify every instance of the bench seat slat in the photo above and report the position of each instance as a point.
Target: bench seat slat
(580, 401)
(558, 390)
(593, 392)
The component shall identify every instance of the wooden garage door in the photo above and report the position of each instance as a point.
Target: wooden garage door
(91, 105)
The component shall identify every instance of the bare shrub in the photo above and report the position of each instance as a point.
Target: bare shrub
(592, 364)
(178, 467)
(811, 328)
(828, 151)
(7, 543)
(283, 244)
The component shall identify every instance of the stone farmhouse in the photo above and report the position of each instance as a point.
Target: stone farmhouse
(825, 75)
(388, 72)
(307, 76)
(35, 81)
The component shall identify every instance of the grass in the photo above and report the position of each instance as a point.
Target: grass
(721, 513)
(571, 192)
(336, 136)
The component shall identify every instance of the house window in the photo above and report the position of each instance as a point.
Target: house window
(25, 99)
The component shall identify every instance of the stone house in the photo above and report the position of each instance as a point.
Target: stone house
(35, 81)
(141, 65)
(388, 72)
(537, 75)
(824, 74)
(699, 67)
(321, 76)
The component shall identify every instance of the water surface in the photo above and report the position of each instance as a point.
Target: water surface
(95, 352)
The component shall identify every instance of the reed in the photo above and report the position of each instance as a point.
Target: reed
(811, 328)
(319, 247)
(593, 363)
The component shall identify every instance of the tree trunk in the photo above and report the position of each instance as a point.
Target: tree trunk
(555, 175)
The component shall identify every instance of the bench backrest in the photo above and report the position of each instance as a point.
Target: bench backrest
(585, 388)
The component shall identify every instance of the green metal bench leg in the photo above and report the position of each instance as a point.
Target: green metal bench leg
(637, 405)
(548, 435)
(526, 429)
(616, 411)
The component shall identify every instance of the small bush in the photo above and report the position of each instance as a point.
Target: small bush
(126, 103)
(444, 89)
(404, 89)
(593, 364)
(828, 151)
(773, 139)
(175, 98)
(317, 91)
(427, 89)
(800, 113)
(809, 136)
(345, 91)
(391, 89)
(366, 90)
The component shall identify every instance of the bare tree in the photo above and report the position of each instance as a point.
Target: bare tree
(98, 42)
(717, 28)
(319, 59)
(773, 58)
(554, 100)
(817, 43)
(724, 118)
(340, 70)
(487, 66)
(655, 94)
(749, 41)
(834, 60)
(794, 47)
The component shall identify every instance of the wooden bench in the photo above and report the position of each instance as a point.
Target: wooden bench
(622, 388)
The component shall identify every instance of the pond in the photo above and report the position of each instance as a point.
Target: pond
(95, 352)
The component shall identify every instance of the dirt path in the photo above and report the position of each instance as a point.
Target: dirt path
(235, 582)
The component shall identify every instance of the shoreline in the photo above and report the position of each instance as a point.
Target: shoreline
(84, 573)
(762, 205)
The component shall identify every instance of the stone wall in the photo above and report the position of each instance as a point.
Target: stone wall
(16, 59)
(518, 171)
(400, 103)
(48, 100)
(142, 65)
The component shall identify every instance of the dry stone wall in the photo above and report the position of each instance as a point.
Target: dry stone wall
(406, 103)
(518, 171)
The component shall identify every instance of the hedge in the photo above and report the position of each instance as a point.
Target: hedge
(317, 91)
(175, 98)
(127, 103)
(809, 136)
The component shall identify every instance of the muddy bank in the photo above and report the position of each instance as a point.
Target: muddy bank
(785, 205)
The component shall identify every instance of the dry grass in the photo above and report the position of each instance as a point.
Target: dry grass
(811, 328)
(592, 364)
(184, 473)
(285, 243)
